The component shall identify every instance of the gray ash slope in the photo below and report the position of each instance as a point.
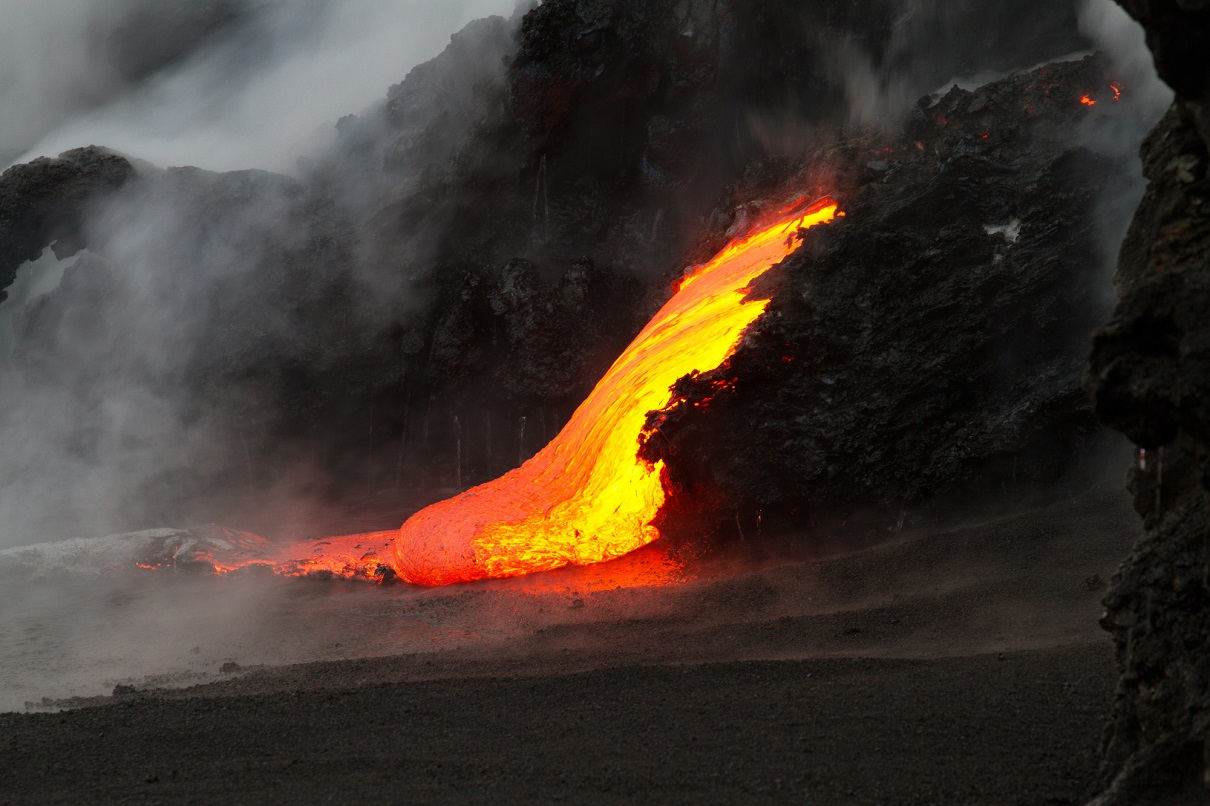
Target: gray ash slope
(953, 666)
(431, 300)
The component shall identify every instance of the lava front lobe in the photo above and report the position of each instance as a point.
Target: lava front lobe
(587, 497)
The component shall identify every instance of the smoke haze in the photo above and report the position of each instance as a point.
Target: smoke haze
(1117, 34)
(247, 84)
(258, 93)
(1147, 98)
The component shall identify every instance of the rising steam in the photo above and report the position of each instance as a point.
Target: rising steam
(256, 84)
(259, 92)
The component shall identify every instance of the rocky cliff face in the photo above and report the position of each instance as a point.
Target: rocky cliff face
(47, 202)
(425, 305)
(929, 346)
(1149, 377)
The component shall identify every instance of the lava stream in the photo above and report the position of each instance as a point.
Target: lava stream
(587, 497)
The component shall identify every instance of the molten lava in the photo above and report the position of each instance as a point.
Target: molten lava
(587, 497)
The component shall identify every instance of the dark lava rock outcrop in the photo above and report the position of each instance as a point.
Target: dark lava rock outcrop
(1149, 377)
(46, 202)
(932, 341)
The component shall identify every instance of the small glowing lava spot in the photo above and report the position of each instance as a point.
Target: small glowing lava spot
(789, 208)
(986, 135)
(1117, 92)
(1087, 100)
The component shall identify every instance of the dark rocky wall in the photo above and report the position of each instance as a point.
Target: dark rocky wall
(1149, 377)
(931, 343)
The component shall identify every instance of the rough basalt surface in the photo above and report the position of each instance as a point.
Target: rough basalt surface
(44, 203)
(932, 341)
(1149, 377)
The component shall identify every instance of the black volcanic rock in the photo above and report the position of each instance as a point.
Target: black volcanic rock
(1177, 32)
(46, 202)
(153, 35)
(932, 341)
(1149, 377)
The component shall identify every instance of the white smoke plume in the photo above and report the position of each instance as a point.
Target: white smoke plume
(1118, 35)
(258, 93)
(264, 86)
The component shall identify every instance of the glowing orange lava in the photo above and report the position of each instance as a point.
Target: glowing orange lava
(587, 497)
(1087, 100)
(353, 557)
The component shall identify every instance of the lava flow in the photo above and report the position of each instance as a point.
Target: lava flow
(587, 497)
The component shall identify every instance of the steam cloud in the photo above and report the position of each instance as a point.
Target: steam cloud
(250, 84)
(260, 84)
(258, 93)
(1123, 39)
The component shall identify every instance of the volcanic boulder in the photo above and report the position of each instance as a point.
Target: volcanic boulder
(46, 202)
(931, 343)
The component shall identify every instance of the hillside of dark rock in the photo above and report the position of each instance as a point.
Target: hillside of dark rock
(931, 343)
(425, 305)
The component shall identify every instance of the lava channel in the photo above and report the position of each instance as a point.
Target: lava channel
(587, 497)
